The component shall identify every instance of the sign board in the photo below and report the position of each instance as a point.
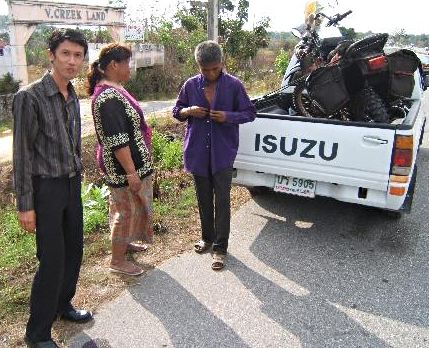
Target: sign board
(148, 55)
(64, 13)
(134, 32)
(25, 15)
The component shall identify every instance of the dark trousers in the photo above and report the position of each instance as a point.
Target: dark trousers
(214, 203)
(59, 239)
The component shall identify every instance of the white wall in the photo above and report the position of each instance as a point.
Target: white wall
(6, 61)
(144, 55)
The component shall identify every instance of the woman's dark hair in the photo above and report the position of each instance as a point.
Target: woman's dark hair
(113, 51)
(58, 36)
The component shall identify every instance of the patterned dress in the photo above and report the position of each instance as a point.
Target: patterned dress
(119, 122)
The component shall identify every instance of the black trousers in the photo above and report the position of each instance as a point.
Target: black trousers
(214, 204)
(59, 238)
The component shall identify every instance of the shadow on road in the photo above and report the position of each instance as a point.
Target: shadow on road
(366, 274)
(187, 321)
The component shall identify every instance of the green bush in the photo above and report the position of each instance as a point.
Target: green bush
(167, 154)
(281, 62)
(8, 84)
(157, 82)
(95, 207)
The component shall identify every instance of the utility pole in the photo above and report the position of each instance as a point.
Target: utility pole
(212, 20)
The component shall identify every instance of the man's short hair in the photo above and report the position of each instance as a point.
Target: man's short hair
(59, 36)
(208, 52)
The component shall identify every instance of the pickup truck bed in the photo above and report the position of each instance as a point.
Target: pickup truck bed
(363, 163)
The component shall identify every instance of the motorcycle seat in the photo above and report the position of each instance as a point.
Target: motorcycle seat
(372, 44)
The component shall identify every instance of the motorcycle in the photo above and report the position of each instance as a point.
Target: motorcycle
(311, 52)
(347, 85)
(331, 77)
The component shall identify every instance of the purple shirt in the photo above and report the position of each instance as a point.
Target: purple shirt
(211, 146)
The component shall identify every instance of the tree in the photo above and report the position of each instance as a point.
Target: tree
(348, 33)
(399, 38)
(36, 47)
(239, 45)
(4, 28)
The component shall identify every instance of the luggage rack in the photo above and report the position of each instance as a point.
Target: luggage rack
(270, 99)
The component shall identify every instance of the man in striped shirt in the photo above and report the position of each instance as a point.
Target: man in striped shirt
(47, 165)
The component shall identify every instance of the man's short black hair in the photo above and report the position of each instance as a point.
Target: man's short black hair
(59, 36)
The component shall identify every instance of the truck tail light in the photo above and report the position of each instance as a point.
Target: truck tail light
(401, 164)
(377, 63)
(397, 191)
(402, 155)
(402, 158)
(402, 179)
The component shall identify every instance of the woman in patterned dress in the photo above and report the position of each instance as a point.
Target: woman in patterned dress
(123, 154)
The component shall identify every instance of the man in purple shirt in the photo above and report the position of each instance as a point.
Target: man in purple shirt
(213, 103)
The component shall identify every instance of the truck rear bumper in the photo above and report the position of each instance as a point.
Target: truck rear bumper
(341, 192)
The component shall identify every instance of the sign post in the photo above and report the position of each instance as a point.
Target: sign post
(26, 15)
(212, 20)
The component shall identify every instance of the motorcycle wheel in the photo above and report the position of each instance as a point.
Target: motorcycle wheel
(303, 103)
(284, 101)
(368, 106)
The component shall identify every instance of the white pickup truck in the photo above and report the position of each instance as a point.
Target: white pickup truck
(370, 164)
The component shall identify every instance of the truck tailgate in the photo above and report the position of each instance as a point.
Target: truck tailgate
(336, 153)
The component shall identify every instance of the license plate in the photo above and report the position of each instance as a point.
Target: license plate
(295, 186)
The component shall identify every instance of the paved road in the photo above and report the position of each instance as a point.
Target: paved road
(149, 108)
(301, 273)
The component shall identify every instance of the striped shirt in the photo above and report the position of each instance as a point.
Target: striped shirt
(46, 136)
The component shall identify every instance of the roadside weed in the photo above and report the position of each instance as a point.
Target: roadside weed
(6, 125)
(17, 246)
(167, 153)
(95, 207)
(17, 259)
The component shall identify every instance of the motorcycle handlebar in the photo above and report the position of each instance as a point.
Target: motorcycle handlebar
(338, 17)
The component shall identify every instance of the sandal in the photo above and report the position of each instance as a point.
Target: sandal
(218, 262)
(202, 246)
(134, 270)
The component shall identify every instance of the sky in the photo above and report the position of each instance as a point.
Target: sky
(377, 16)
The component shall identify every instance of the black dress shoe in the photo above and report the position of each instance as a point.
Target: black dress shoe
(77, 316)
(41, 344)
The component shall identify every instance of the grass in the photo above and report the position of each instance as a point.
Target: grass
(17, 260)
(180, 207)
(17, 245)
(6, 125)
